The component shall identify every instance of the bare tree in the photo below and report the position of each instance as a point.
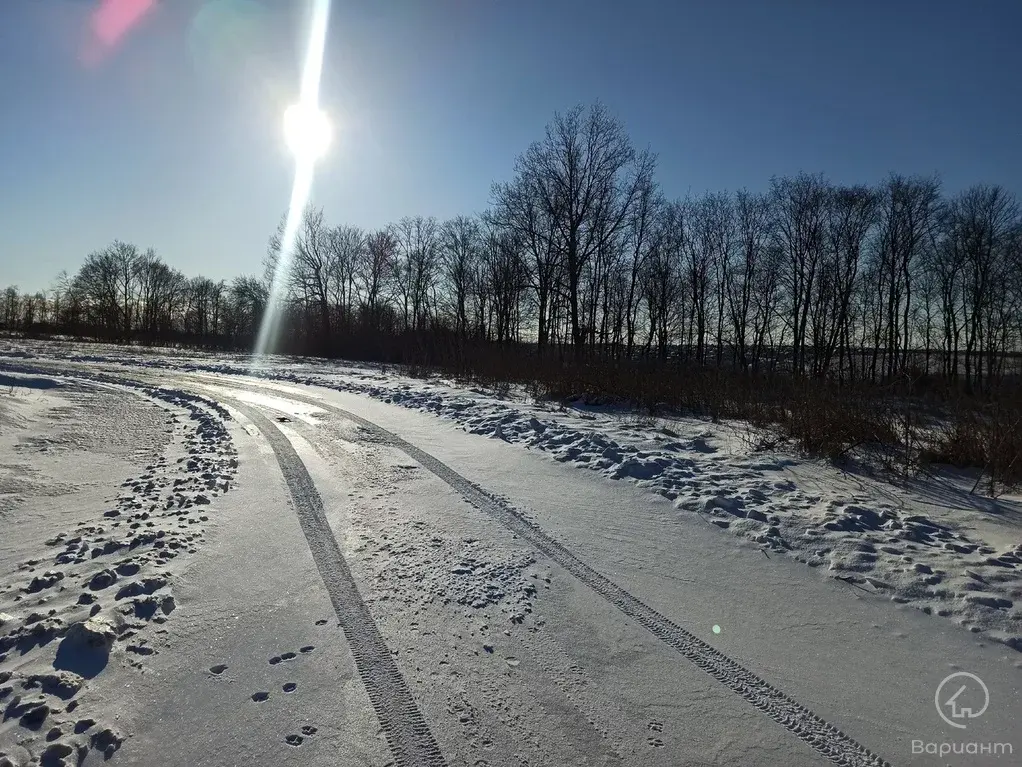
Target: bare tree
(310, 264)
(588, 178)
(851, 216)
(712, 247)
(983, 226)
(799, 204)
(460, 249)
(162, 291)
(752, 233)
(640, 238)
(373, 273)
(520, 214)
(248, 298)
(96, 283)
(10, 308)
(416, 267)
(204, 305)
(662, 282)
(346, 246)
(907, 214)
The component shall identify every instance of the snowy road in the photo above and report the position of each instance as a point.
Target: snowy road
(379, 587)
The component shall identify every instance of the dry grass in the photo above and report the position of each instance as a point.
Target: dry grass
(986, 438)
(899, 424)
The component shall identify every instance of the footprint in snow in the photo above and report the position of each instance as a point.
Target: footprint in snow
(294, 740)
(218, 669)
(259, 697)
(290, 687)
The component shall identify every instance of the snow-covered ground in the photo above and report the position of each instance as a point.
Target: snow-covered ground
(929, 542)
(101, 492)
(115, 462)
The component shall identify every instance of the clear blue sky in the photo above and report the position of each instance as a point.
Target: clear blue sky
(172, 137)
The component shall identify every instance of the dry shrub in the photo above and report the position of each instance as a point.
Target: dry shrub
(830, 423)
(988, 439)
(958, 443)
(819, 417)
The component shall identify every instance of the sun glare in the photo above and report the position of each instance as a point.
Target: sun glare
(306, 131)
(307, 134)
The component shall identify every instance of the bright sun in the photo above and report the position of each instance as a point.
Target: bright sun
(306, 131)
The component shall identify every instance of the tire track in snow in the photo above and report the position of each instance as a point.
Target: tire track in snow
(404, 726)
(816, 732)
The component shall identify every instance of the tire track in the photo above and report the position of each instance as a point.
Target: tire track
(408, 735)
(404, 726)
(816, 732)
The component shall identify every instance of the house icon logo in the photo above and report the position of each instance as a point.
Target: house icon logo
(960, 697)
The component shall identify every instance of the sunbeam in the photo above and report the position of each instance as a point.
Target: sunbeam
(307, 138)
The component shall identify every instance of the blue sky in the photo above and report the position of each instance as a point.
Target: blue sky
(172, 138)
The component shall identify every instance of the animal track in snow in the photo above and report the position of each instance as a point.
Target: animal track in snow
(284, 656)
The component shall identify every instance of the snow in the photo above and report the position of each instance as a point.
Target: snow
(890, 540)
(854, 594)
(90, 561)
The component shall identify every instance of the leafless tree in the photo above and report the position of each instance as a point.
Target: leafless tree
(520, 215)
(416, 268)
(851, 217)
(640, 238)
(983, 226)
(248, 298)
(373, 274)
(752, 234)
(346, 246)
(907, 214)
(662, 282)
(799, 206)
(588, 178)
(460, 250)
(309, 258)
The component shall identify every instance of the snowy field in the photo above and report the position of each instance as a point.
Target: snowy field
(303, 562)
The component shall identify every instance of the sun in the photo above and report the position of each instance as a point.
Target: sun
(306, 131)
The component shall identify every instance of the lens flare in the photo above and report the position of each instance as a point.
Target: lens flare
(110, 23)
(114, 18)
(309, 127)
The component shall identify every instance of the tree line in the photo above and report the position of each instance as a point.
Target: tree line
(580, 255)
